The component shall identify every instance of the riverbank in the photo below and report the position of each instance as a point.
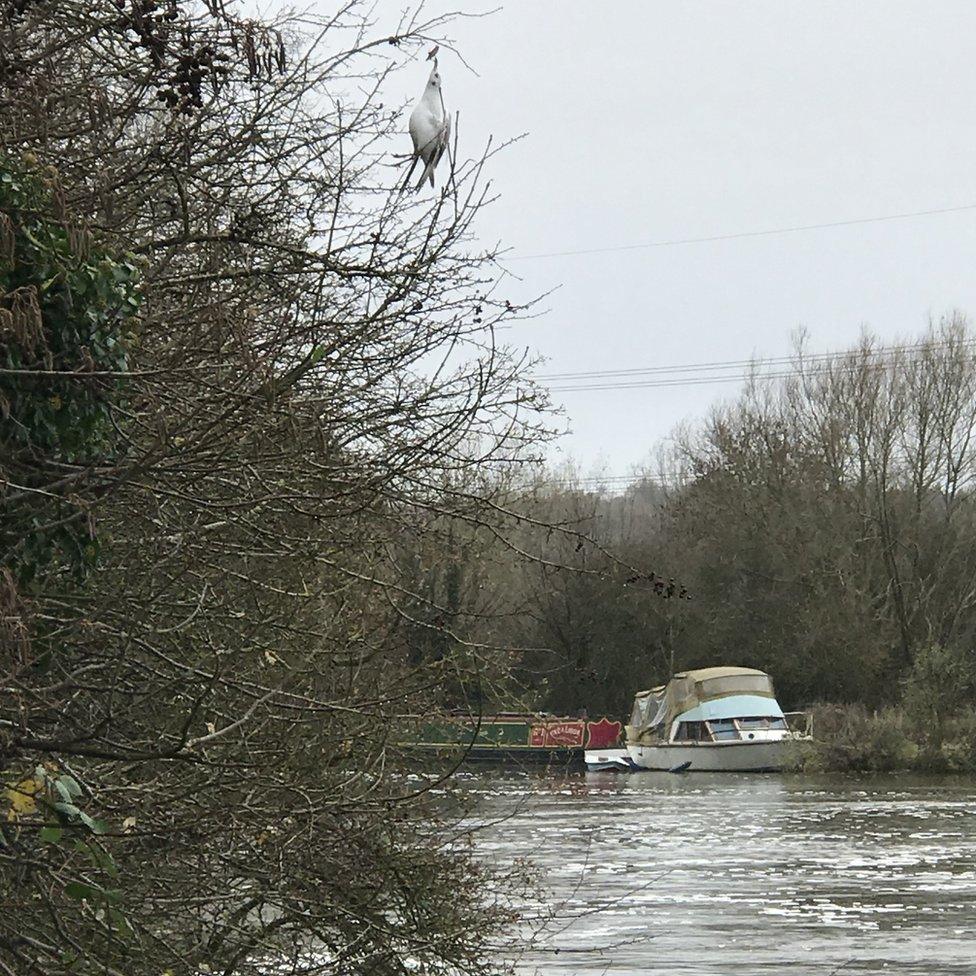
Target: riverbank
(852, 738)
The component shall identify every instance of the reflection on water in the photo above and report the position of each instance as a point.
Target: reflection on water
(728, 874)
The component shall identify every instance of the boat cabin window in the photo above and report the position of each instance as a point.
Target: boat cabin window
(692, 732)
(724, 728)
(760, 722)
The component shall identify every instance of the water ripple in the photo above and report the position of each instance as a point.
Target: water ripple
(700, 875)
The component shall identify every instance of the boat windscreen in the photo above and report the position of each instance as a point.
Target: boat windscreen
(723, 729)
(762, 722)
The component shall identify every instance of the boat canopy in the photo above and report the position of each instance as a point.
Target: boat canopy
(695, 690)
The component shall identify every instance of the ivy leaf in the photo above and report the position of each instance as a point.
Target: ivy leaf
(80, 891)
(119, 920)
(98, 856)
(67, 812)
(70, 786)
(95, 826)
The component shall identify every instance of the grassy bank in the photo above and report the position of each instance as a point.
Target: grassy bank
(852, 738)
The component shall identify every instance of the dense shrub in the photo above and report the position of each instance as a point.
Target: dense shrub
(852, 738)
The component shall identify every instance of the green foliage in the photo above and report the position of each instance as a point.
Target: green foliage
(939, 683)
(958, 748)
(853, 738)
(45, 794)
(66, 313)
(44, 815)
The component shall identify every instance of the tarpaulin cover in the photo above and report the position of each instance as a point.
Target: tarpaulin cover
(657, 708)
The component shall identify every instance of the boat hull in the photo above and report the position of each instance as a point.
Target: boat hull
(730, 757)
(609, 760)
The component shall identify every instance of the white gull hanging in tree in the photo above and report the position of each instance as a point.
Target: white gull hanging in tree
(430, 127)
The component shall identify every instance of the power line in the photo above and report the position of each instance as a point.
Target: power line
(743, 363)
(807, 366)
(592, 482)
(708, 380)
(741, 234)
(601, 479)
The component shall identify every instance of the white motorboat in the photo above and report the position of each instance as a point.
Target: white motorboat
(609, 760)
(712, 719)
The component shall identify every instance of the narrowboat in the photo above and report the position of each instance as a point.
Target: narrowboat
(533, 737)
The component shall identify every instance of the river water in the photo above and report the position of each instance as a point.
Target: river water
(737, 875)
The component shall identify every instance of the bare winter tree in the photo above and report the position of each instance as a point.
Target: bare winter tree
(833, 513)
(291, 372)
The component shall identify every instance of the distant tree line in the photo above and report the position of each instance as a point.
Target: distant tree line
(822, 526)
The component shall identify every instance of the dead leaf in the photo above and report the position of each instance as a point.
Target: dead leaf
(21, 797)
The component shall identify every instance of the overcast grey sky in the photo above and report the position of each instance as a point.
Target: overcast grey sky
(652, 121)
